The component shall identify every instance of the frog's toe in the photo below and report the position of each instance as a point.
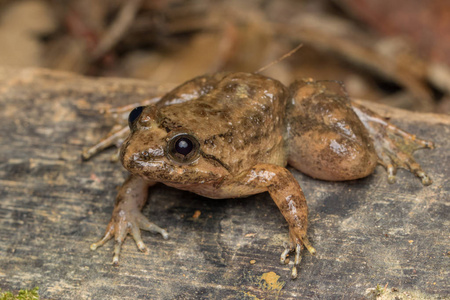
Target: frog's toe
(297, 243)
(424, 143)
(108, 235)
(399, 158)
(283, 258)
(121, 231)
(416, 169)
(298, 259)
(297, 249)
(136, 233)
(391, 170)
(145, 224)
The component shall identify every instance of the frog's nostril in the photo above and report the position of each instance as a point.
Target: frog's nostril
(147, 155)
(144, 154)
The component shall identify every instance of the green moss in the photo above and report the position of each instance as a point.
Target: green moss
(379, 290)
(373, 294)
(32, 294)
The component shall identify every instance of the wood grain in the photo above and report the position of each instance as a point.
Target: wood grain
(53, 206)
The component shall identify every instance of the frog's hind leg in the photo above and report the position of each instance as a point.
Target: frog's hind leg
(326, 138)
(119, 131)
(114, 138)
(394, 146)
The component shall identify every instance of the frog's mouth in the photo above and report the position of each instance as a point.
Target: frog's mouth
(215, 159)
(159, 167)
(136, 165)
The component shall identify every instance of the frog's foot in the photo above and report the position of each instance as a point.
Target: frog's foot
(118, 132)
(296, 245)
(124, 223)
(114, 138)
(393, 146)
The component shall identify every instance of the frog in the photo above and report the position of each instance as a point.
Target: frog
(229, 135)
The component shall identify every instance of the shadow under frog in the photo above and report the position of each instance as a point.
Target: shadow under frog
(232, 134)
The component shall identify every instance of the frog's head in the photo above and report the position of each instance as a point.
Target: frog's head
(160, 150)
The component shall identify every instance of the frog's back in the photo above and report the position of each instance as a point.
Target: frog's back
(238, 118)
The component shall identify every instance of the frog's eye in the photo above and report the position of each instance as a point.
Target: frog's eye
(183, 148)
(134, 114)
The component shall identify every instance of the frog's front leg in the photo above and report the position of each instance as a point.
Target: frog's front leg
(127, 217)
(287, 194)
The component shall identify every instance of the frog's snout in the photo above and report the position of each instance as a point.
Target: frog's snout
(134, 158)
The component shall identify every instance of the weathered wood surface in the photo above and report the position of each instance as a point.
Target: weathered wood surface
(366, 232)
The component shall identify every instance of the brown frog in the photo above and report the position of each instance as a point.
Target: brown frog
(232, 135)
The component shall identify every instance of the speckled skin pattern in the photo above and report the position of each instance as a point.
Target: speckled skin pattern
(245, 128)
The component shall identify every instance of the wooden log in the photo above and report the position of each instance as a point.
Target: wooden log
(53, 206)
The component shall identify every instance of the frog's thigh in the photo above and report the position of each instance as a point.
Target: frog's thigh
(327, 139)
(326, 154)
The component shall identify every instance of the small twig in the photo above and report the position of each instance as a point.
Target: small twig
(117, 29)
(130, 107)
(280, 59)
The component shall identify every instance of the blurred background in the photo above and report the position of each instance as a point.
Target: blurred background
(391, 52)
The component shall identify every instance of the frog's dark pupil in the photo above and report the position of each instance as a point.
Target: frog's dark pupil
(134, 114)
(184, 146)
